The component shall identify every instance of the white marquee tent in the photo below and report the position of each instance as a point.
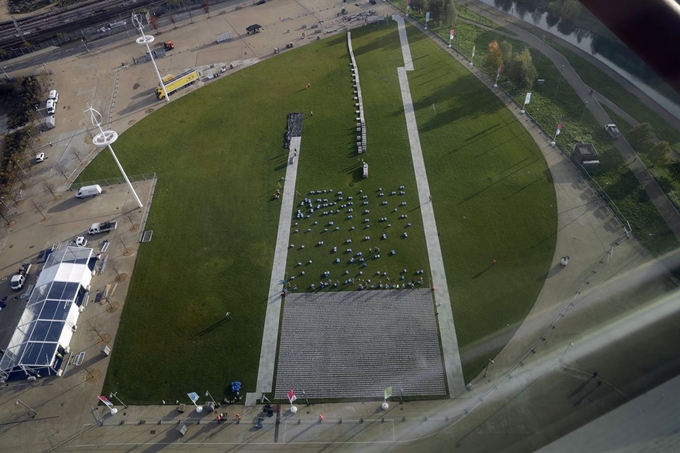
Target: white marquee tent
(46, 325)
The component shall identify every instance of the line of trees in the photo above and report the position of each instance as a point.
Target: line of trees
(443, 11)
(518, 67)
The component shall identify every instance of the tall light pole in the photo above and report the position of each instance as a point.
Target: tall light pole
(27, 407)
(486, 368)
(146, 40)
(207, 393)
(115, 395)
(104, 139)
(558, 82)
(584, 110)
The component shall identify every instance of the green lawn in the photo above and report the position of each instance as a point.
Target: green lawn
(330, 161)
(220, 158)
(493, 198)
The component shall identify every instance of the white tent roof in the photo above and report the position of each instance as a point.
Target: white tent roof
(51, 309)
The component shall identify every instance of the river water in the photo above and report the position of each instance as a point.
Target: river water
(584, 42)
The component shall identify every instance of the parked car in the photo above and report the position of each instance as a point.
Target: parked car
(51, 107)
(54, 95)
(40, 157)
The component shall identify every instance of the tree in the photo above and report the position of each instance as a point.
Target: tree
(494, 58)
(436, 8)
(51, 188)
(506, 50)
(640, 137)
(78, 154)
(153, 21)
(39, 206)
(417, 5)
(449, 14)
(522, 71)
(63, 171)
(660, 153)
(172, 19)
(571, 9)
(206, 7)
(674, 170)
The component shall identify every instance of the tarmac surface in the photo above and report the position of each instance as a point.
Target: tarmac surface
(613, 302)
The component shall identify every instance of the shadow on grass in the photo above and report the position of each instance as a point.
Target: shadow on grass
(207, 330)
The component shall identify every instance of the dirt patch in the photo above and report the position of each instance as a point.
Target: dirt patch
(121, 277)
(147, 111)
(93, 375)
(112, 307)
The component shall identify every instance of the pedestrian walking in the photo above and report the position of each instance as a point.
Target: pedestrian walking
(229, 317)
(50, 144)
(493, 263)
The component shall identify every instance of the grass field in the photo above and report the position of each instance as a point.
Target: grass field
(220, 158)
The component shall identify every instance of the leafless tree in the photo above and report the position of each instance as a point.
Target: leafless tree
(206, 7)
(172, 19)
(127, 252)
(39, 206)
(78, 154)
(115, 265)
(51, 188)
(63, 171)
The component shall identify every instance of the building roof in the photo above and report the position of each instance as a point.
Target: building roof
(51, 311)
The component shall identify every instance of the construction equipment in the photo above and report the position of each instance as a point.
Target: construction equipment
(174, 83)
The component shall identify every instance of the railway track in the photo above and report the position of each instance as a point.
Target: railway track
(43, 26)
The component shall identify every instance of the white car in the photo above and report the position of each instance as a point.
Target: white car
(51, 106)
(81, 241)
(40, 157)
(54, 95)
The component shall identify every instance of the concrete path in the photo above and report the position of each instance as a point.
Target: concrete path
(270, 335)
(656, 195)
(447, 329)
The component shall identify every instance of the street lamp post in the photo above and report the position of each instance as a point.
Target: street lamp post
(115, 395)
(146, 40)
(207, 393)
(27, 407)
(486, 368)
(105, 139)
(558, 82)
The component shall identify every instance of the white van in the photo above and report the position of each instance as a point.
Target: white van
(89, 191)
(50, 122)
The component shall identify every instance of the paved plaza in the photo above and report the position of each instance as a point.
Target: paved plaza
(353, 344)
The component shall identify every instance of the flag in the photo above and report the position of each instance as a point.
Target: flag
(453, 34)
(427, 16)
(388, 392)
(106, 401)
(193, 396)
(559, 129)
(527, 99)
(500, 68)
(473, 51)
(291, 396)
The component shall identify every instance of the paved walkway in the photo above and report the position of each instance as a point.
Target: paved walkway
(270, 335)
(447, 329)
(656, 195)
